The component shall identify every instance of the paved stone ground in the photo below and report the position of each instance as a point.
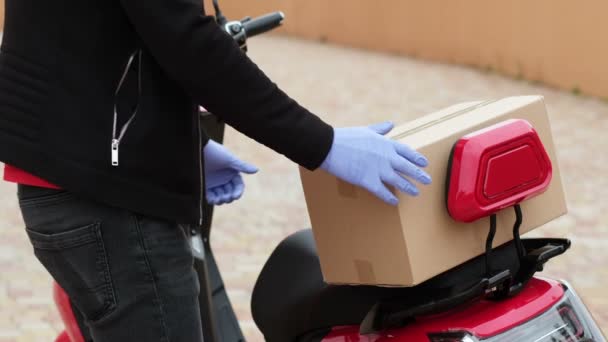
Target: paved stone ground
(348, 87)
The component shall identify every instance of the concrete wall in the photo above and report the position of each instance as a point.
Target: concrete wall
(562, 43)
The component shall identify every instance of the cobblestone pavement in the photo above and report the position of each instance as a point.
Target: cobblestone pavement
(348, 87)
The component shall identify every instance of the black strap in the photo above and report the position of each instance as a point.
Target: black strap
(527, 268)
(489, 241)
(521, 253)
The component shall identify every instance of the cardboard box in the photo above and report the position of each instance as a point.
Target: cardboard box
(361, 240)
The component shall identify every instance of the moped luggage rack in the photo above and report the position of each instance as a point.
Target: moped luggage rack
(495, 285)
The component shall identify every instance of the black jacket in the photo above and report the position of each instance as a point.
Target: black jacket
(60, 66)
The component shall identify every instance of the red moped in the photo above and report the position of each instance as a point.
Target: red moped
(495, 297)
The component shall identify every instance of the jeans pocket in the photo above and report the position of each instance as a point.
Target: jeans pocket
(77, 260)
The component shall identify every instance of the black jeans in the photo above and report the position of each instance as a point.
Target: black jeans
(130, 277)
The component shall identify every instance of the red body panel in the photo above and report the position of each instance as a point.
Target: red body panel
(63, 337)
(495, 168)
(482, 318)
(16, 175)
(72, 331)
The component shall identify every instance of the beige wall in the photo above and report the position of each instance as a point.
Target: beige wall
(560, 42)
(1, 13)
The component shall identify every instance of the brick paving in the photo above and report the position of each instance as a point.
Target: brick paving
(348, 87)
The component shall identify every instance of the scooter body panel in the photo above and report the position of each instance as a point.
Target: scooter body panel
(483, 318)
(72, 330)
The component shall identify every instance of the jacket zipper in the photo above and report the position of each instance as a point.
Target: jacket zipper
(117, 136)
(200, 168)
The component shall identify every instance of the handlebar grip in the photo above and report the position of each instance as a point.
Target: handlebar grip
(263, 24)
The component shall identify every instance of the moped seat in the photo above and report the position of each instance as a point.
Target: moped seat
(290, 299)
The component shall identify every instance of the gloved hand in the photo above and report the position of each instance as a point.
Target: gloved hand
(363, 156)
(223, 169)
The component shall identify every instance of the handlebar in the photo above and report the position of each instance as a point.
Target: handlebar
(265, 23)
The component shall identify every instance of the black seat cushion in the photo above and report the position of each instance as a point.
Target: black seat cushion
(291, 299)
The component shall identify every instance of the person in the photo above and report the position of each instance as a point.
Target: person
(99, 125)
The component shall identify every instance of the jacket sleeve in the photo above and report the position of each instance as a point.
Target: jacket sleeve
(195, 52)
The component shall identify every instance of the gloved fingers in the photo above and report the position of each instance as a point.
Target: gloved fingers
(238, 188)
(405, 167)
(227, 196)
(401, 184)
(383, 127)
(410, 154)
(212, 198)
(219, 194)
(219, 177)
(384, 194)
(244, 167)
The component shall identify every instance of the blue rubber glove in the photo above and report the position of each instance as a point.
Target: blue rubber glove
(223, 170)
(363, 156)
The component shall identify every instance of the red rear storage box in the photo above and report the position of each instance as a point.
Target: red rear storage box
(496, 168)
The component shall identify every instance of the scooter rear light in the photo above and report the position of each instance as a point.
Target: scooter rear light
(566, 321)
